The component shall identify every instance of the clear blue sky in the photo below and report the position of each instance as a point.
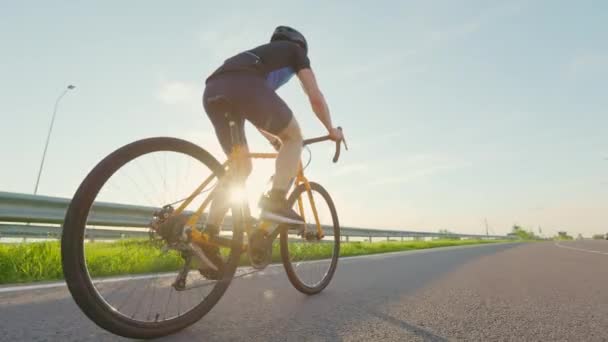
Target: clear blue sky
(455, 111)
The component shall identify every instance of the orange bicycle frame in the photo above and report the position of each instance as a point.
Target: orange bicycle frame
(234, 156)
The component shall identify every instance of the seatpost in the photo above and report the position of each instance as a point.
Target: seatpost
(235, 139)
(234, 133)
(237, 142)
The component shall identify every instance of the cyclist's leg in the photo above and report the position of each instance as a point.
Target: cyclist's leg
(274, 204)
(260, 105)
(220, 205)
(221, 201)
(268, 112)
(288, 158)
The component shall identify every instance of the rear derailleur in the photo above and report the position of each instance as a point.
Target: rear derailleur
(172, 230)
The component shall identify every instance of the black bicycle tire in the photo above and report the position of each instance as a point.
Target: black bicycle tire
(291, 274)
(72, 250)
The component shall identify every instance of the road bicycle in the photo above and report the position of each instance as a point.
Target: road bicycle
(156, 300)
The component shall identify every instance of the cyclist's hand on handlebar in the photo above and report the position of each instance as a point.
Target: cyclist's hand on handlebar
(335, 134)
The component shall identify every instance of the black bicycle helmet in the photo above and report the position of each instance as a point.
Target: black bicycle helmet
(291, 34)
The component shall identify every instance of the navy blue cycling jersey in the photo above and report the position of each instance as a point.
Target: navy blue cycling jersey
(276, 61)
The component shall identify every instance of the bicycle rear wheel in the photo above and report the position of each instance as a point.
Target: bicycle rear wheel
(310, 263)
(127, 287)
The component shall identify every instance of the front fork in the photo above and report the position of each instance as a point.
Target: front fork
(300, 179)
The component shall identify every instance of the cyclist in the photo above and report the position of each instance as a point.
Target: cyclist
(248, 81)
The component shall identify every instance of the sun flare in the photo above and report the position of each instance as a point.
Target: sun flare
(238, 195)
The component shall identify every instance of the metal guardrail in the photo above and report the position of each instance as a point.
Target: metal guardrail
(23, 215)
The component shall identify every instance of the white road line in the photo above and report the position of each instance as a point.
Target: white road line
(580, 249)
(22, 288)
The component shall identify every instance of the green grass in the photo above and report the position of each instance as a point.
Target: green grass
(41, 261)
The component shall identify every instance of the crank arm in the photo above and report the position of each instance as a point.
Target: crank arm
(275, 232)
(198, 252)
(223, 242)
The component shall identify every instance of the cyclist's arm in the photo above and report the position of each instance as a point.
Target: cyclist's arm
(316, 98)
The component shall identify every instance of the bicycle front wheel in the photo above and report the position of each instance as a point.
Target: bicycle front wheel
(128, 286)
(310, 262)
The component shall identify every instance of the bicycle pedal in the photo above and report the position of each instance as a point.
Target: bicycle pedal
(220, 241)
(210, 274)
(179, 285)
(202, 257)
(311, 236)
(259, 249)
(259, 260)
(297, 229)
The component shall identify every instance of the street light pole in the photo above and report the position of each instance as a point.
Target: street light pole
(48, 137)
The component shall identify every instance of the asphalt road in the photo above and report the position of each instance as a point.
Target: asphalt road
(536, 291)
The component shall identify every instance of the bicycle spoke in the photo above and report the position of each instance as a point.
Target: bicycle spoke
(143, 296)
(147, 178)
(153, 296)
(168, 300)
(143, 193)
(121, 286)
(179, 297)
(165, 177)
(128, 297)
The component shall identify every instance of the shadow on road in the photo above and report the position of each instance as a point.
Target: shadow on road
(415, 330)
